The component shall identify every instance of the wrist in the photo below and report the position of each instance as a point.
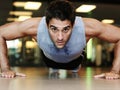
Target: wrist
(115, 68)
(5, 66)
(5, 69)
(114, 71)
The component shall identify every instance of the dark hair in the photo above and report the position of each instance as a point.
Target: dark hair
(60, 9)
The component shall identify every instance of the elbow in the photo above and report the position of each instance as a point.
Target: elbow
(2, 38)
(118, 43)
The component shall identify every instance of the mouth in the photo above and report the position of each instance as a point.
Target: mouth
(60, 43)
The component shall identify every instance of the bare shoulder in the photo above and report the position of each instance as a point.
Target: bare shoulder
(30, 25)
(20, 29)
(31, 21)
(93, 26)
(92, 23)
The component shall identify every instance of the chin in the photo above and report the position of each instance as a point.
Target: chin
(60, 47)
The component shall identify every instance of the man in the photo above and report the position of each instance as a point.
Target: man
(62, 36)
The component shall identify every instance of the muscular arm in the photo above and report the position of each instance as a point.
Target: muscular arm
(106, 32)
(12, 31)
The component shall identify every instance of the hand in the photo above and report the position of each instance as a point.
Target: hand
(11, 74)
(109, 75)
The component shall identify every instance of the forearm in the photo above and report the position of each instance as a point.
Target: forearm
(116, 61)
(4, 62)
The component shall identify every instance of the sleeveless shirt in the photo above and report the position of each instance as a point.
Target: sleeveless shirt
(71, 50)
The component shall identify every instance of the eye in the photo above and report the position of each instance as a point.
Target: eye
(66, 29)
(54, 29)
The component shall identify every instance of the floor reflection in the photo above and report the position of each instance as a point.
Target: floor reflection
(38, 79)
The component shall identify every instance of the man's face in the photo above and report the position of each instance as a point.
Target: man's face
(59, 31)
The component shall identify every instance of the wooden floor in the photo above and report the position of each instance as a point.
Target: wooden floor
(38, 79)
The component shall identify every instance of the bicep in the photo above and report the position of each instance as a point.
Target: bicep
(10, 31)
(18, 29)
(110, 33)
(106, 32)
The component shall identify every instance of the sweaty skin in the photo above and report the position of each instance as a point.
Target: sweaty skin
(93, 28)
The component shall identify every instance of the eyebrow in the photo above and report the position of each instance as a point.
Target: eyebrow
(53, 26)
(58, 27)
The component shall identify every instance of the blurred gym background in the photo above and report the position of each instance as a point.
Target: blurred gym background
(25, 52)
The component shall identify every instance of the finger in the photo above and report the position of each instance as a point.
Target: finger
(20, 74)
(7, 76)
(111, 77)
(11, 76)
(100, 76)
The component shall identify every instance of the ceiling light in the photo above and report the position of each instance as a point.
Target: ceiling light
(19, 4)
(85, 8)
(32, 5)
(21, 18)
(20, 13)
(12, 19)
(108, 21)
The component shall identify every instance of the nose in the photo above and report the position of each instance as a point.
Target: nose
(60, 36)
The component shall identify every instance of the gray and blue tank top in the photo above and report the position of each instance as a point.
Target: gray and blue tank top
(72, 49)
